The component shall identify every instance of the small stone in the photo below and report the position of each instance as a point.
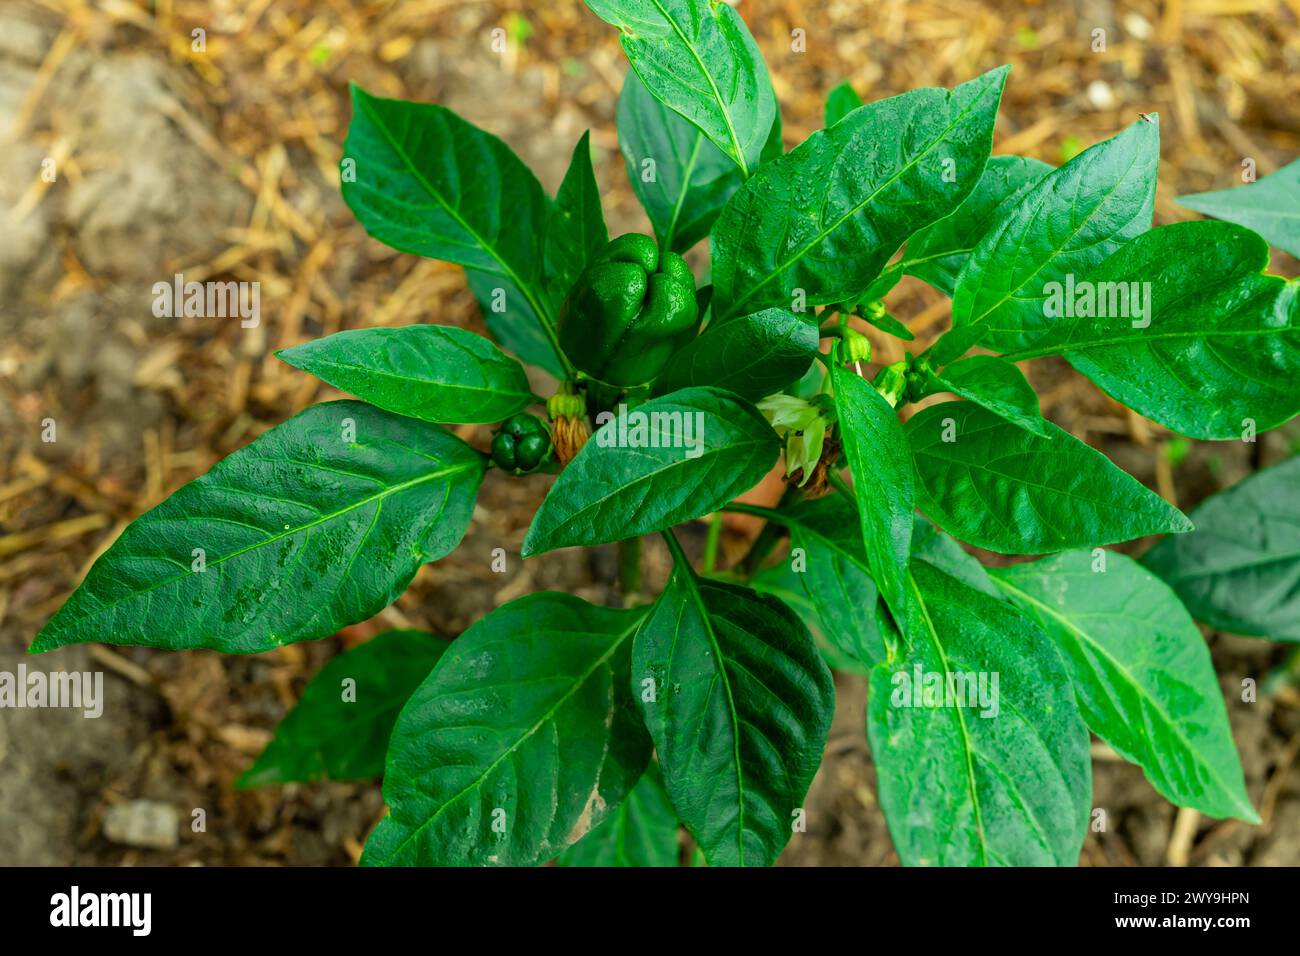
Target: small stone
(142, 823)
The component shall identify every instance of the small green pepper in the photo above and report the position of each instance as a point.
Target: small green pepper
(522, 444)
(630, 310)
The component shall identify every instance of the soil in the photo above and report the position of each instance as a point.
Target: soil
(220, 164)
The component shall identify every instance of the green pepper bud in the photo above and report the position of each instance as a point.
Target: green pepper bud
(630, 310)
(522, 444)
(856, 345)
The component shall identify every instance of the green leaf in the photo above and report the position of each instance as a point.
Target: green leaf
(512, 321)
(828, 574)
(699, 59)
(1067, 223)
(1141, 672)
(934, 547)
(432, 372)
(1001, 779)
(429, 183)
(1214, 350)
(1239, 571)
(661, 463)
(681, 178)
(739, 713)
(335, 734)
(1270, 206)
(641, 832)
(786, 585)
(1000, 487)
(753, 356)
(826, 217)
(522, 739)
(319, 523)
(576, 229)
(876, 447)
(840, 102)
(937, 253)
(998, 386)
(954, 343)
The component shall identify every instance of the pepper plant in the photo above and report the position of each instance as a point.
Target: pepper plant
(554, 728)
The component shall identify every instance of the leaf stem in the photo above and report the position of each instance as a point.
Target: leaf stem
(629, 569)
(839, 484)
(712, 542)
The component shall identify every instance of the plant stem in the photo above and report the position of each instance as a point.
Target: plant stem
(629, 568)
(712, 542)
(839, 484)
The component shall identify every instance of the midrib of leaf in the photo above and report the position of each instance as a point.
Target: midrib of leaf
(687, 173)
(851, 213)
(967, 746)
(374, 372)
(1203, 334)
(546, 717)
(684, 568)
(543, 314)
(378, 496)
(1084, 638)
(717, 94)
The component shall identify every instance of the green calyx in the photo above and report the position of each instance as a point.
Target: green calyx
(567, 402)
(522, 444)
(630, 310)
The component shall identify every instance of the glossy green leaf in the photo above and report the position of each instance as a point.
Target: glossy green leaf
(432, 372)
(426, 181)
(319, 523)
(656, 465)
(1141, 671)
(1239, 571)
(522, 739)
(876, 447)
(739, 703)
(937, 253)
(945, 553)
(1067, 223)
(576, 229)
(642, 831)
(829, 574)
(996, 385)
(699, 59)
(954, 343)
(785, 584)
(1213, 351)
(840, 102)
(340, 727)
(753, 356)
(981, 754)
(681, 178)
(826, 217)
(997, 486)
(1270, 206)
(512, 321)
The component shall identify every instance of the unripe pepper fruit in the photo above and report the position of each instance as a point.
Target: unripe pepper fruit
(522, 444)
(630, 310)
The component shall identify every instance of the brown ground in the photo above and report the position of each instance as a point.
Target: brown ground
(221, 163)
